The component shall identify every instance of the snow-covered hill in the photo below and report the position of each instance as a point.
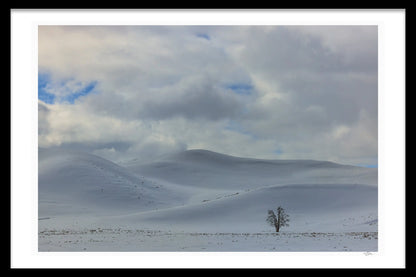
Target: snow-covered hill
(202, 168)
(312, 208)
(81, 183)
(203, 191)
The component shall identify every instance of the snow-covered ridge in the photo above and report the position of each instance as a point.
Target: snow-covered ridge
(203, 191)
(77, 181)
(204, 168)
(207, 157)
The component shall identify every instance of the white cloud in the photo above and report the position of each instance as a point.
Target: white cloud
(164, 88)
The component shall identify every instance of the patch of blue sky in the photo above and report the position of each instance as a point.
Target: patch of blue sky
(240, 88)
(204, 36)
(43, 94)
(82, 92)
(46, 85)
(235, 126)
(278, 151)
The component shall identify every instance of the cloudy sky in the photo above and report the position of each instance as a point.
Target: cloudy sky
(279, 92)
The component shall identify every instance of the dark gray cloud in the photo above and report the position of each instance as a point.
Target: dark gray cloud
(199, 98)
(203, 100)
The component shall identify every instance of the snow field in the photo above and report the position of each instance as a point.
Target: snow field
(148, 240)
(199, 200)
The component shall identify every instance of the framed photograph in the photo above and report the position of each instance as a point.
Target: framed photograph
(208, 138)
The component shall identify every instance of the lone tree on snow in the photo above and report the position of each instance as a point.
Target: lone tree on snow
(280, 219)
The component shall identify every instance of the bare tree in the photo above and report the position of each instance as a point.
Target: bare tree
(278, 219)
(272, 219)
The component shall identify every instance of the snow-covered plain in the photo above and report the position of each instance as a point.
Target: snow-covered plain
(199, 200)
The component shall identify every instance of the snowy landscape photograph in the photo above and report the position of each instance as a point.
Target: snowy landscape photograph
(208, 138)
